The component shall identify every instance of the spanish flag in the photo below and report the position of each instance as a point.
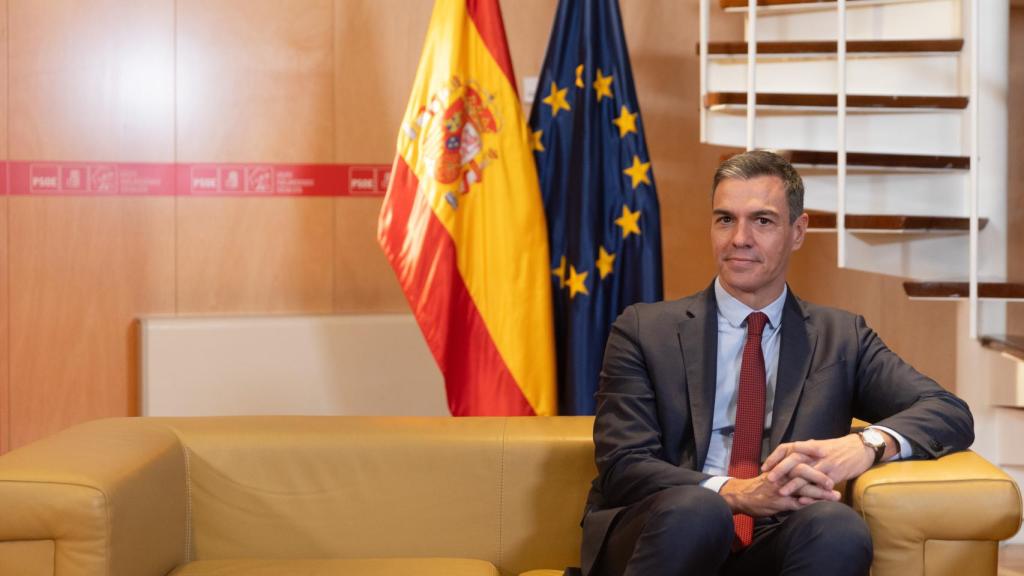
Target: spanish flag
(463, 222)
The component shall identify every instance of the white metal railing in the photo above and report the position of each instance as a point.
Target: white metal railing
(975, 19)
(705, 25)
(841, 135)
(841, 103)
(751, 71)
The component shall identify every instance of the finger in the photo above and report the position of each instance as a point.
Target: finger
(791, 503)
(805, 500)
(816, 492)
(811, 448)
(783, 468)
(812, 475)
(792, 487)
(775, 457)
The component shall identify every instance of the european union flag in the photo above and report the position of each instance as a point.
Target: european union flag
(598, 188)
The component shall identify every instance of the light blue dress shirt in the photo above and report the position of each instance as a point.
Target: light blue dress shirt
(732, 336)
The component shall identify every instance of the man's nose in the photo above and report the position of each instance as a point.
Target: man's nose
(741, 234)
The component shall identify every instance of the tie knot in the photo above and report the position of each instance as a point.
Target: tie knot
(755, 323)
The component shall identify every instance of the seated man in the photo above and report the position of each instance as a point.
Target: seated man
(723, 418)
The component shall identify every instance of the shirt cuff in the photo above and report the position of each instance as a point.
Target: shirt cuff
(715, 483)
(905, 449)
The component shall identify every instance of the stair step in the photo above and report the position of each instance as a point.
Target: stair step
(992, 290)
(829, 46)
(872, 159)
(892, 222)
(1011, 344)
(820, 158)
(734, 4)
(830, 100)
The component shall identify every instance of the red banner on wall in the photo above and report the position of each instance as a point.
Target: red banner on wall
(168, 179)
(90, 179)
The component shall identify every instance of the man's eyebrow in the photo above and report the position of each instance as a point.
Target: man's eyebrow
(757, 214)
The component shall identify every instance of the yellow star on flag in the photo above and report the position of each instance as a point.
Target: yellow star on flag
(560, 273)
(629, 221)
(626, 122)
(577, 282)
(638, 172)
(605, 262)
(557, 100)
(535, 142)
(603, 85)
(579, 76)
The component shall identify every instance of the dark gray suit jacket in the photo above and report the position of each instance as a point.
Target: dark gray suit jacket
(656, 398)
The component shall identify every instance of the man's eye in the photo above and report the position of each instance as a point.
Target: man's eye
(724, 219)
(763, 220)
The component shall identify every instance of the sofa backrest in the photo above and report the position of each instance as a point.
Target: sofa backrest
(506, 490)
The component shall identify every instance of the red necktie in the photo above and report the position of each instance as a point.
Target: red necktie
(745, 461)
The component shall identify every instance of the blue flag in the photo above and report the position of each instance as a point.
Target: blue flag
(598, 188)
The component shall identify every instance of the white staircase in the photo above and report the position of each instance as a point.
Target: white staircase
(895, 112)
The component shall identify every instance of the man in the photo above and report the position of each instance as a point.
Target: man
(723, 418)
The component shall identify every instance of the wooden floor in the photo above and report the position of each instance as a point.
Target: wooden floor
(1011, 560)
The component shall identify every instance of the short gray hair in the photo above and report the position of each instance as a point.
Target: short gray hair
(755, 163)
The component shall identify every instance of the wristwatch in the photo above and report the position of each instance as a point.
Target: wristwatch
(873, 439)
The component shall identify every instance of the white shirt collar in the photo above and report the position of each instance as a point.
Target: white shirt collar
(736, 312)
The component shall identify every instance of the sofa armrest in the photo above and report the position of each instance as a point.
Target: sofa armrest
(921, 508)
(102, 498)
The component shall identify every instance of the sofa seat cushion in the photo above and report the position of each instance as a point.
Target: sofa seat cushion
(340, 567)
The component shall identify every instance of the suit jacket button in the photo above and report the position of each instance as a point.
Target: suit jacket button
(936, 445)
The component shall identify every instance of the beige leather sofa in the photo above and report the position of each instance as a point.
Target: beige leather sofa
(268, 496)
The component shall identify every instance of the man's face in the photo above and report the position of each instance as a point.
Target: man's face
(752, 237)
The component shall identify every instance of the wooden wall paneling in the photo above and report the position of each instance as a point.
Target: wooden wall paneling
(87, 82)
(254, 255)
(377, 45)
(92, 81)
(5, 367)
(814, 277)
(5, 432)
(82, 270)
(363, 279)
(255, 84)
(922, 332)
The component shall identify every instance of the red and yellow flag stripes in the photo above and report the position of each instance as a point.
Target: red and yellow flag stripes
(463, 224)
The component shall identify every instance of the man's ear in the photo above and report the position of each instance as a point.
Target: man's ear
(799, 229)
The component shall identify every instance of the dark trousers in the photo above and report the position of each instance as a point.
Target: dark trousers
(688, 530)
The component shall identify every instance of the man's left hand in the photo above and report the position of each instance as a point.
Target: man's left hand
(803, 462)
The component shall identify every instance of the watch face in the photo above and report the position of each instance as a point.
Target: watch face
(873, 437)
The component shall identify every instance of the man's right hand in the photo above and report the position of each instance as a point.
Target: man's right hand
(758, 497)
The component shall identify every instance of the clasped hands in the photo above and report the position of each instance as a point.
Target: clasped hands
(797, 474)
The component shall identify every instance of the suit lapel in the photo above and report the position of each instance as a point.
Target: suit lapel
(698, 338)
(795, 352)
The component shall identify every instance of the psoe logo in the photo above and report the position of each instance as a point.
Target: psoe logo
(203, 179)
(44, 178)
(454, 125)
(362, 181)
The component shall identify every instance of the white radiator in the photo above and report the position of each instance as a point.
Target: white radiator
(352, 364)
